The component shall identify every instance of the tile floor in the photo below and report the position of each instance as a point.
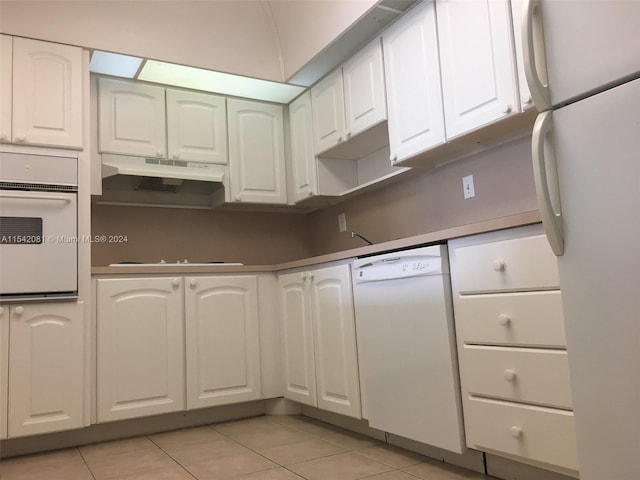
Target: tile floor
(260, 448)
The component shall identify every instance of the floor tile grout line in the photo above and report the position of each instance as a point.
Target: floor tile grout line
(148, 437)
(84, 460)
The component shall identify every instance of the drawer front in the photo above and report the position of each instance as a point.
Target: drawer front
(517, 264)
(525, 318)
(536, 433)
(520, 374)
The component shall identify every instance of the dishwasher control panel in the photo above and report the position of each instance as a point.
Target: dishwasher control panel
(405, 264)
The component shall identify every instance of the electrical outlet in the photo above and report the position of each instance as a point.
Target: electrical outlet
(342, 222)
(468, 188)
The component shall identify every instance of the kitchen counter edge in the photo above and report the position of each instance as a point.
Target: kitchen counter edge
(500, 223)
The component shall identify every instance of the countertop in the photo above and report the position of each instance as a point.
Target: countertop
(500, 223)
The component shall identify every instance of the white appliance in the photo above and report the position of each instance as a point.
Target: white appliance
(128, 180)
(586, 149)
(406, 346)
(38, 226)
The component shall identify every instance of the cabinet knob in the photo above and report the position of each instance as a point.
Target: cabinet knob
(508, 108)
(176, 156)
(348, 135)
(504, 320)
(303, 276)
(309, 194)
(175, 282)
(19, 311)
(516, 432)
(193, 282)
(238, 198)
(311, 276)
(509, 375)
(527, 100)
(393, 158)
(340, 139)
(158, 153)
(21, 138)
(499, 265)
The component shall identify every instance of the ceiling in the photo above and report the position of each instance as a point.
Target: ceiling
(277, 40)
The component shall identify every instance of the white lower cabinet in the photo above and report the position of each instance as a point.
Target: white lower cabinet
(42, 349)
(140, 341)
(148, 326)
(222, 339)
(514, 372)
(318, 328)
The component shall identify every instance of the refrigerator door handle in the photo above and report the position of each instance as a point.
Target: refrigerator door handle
(535, 64)
(551, 220)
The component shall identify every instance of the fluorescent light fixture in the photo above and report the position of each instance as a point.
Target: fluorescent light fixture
(114, 64)
(216, 82)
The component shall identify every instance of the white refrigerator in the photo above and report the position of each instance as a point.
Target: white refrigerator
(582, 60)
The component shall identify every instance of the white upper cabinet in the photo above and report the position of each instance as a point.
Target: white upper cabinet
(222, 339)
(148, 121)
(477, 62)
(140, 332)
(256, 152)
(196, 127)
(131, 118)
(46, 87)
(526, 102)
(46, 368)
(414, 95)
(349, 100)
(365, 101)
(329, 124)
(6, 89)
(304, 175)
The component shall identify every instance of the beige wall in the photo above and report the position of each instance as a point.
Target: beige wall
(198, 235)
(421, 203)
(263, 39)
(433, 200)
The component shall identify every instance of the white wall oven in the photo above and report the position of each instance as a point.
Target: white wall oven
(38, 226)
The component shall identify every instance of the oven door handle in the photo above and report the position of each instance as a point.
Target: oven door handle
(57, 198)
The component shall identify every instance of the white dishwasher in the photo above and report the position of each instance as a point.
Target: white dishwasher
(406, 346)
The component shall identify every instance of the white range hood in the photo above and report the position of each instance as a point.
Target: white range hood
(128, 180)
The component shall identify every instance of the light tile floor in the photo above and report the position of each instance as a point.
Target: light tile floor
(260, 448)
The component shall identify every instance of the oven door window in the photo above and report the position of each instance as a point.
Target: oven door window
(20, 230)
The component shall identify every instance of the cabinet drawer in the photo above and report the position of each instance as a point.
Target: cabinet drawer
(525, 318)
(520, 374)
(536, 433)
(517, 264)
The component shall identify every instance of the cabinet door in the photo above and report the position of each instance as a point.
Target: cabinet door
(327, 98)
(4, 369)
(46, 368)
(140, 347)
(414, 95)
(303, 160)
(6, 88)
(478, 63)
(223, 344)
(256, 152)
(297, 339)
(47, 94)
(196, 127)
(131, 118)
(335, 341)
(365, 103)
